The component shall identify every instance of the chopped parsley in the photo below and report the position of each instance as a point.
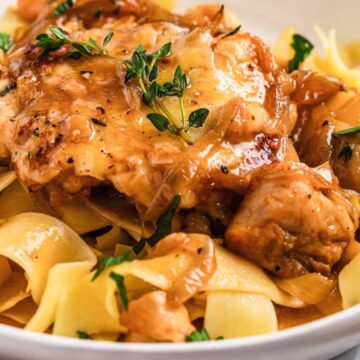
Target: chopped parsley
(198, 335)
(120, 282)
(5, 42)
(163, 226)
(83, 335)
(303, 48)
(63, 8)
(111, 261)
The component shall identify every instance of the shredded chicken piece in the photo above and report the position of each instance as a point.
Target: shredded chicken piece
(153, 317)
(293, 221)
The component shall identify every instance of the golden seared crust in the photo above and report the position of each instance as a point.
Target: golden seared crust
(77, 122)
(293, 221)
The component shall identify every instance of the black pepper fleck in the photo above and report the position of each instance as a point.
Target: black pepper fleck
(98, 122)
(224, 169)
(101, 109)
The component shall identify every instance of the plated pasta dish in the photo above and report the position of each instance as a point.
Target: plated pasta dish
(169, 177)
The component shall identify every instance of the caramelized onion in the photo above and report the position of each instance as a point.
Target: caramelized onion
(312, 88)
(310, 288)
(202, 251)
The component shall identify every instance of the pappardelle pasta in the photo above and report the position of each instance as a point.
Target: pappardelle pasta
(170, 178)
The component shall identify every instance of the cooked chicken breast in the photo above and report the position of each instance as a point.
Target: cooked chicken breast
(293, 221)
(78, 123)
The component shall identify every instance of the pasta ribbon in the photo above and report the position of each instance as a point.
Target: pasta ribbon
(333, 63)
(86, 297)
(337, 61)
(61, 277)
(15, 200)
(37, 242)
(233, 315)
(81, 219)
(88, 306)
(310, 288)
(21, 312)
(349, 276)
(7, 179)
(237, 274)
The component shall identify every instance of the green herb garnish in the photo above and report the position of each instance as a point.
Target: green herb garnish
(99, 13)
(59, 38)
(351, 131)
(5, 42)
(199, 335)
(346, 153)
(83, 335)
(303, 48)
(120, 282)
(163, 226)
(144, 68)
(63, 8)
(111, 261)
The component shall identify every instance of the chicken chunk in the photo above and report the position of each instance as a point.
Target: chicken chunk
(78, 123)
(293, 221)
(316, 140)
(151, 316)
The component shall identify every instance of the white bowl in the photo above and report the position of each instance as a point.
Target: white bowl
(320, 340)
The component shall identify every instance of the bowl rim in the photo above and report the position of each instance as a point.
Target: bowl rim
(344, 320)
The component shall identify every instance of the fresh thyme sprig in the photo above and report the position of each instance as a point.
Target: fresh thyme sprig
(144, 68)
(59, 38)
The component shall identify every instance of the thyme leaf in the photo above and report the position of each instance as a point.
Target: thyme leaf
(144, 68)
(5, 42)
(63, 8)
(58, 38)
(351, 131)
